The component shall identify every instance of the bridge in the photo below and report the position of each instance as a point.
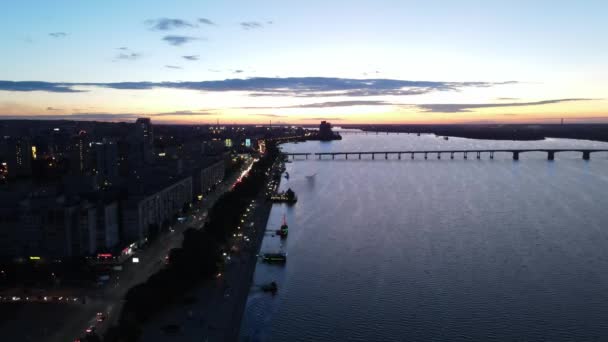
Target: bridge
(378, 132)
(367, 132)
(586, 153)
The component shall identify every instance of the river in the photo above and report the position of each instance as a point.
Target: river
(438, 250)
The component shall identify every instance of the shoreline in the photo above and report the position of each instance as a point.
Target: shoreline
(220, 303)
(246, 283)
(515, 132)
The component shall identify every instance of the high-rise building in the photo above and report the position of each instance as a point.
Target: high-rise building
(79, 153)
(47, 225)
(105, 161)
(18, 157)
(144, 139)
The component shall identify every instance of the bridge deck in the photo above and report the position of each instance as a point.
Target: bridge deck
(463, 151)
(550, 152)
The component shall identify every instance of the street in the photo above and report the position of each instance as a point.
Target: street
(216, 314)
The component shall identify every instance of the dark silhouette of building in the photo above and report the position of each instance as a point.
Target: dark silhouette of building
(79, 153)
(105, 159)
(144, 139)
(325, 132)
(18, 157)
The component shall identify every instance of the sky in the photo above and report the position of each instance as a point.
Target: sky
(350, 62)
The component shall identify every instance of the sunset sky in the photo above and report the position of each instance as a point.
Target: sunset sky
(251, 61)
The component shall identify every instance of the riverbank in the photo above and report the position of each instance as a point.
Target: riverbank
(519, 132)
(215, 309)
(246, 283)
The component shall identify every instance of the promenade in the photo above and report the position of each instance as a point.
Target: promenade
(213, 311)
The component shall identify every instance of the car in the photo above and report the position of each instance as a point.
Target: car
(90, 330)
(100, 317)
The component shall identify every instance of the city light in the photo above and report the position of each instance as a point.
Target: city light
(244, 173)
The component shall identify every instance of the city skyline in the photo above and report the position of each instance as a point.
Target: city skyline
(347, 62)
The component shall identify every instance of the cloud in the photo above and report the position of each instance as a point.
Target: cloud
(461, 108)
(274, 86)
(238, 71)
(102, 116)
(330, 104)
(58, 34)
(188, 112)
(52, 109)
(251, 25)
(179, 40)
(324, 119)
(128, 56)
(270, 115)
(342, 104)
(37, 86)
(349, 93)
(173, 67)
(167, 24)
(109, 117)
(205, 21)
(191, 57)
(77, 117)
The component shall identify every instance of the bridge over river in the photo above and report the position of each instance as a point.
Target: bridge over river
(586, 153)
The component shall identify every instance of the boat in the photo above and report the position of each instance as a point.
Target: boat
(272, 287)
(274, 257)
(284, 230)
(286, 197)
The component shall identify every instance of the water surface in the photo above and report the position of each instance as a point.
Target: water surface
(438, 250)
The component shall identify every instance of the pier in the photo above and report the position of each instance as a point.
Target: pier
(585, 153)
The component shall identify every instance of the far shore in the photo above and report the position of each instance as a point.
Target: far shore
(522, 132)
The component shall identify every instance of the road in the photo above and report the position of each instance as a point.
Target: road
(68, 322)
